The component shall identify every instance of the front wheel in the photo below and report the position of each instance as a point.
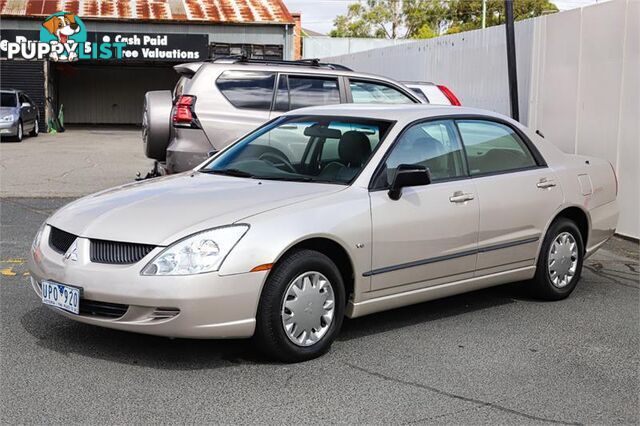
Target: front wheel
(19, 133)
(560, 261)
(36, 130)
(301, 307)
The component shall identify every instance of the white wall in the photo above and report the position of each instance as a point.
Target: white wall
(578, 82)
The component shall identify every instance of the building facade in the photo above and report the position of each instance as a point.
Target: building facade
(146, 37)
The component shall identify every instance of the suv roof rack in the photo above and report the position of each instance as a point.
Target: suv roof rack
(243, 59)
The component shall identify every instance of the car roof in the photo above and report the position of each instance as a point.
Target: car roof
(404, 112)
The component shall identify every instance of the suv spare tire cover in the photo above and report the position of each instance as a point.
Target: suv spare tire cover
(156, 123)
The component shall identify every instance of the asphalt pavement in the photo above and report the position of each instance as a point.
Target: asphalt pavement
(74, 163)
(487, 357)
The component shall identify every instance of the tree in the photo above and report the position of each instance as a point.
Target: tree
(428, 18)
(388, 19)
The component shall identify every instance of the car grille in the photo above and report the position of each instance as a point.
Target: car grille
(118, 253)
(102, 309)
(60, 240)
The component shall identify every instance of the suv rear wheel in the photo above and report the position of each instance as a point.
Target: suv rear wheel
(301, 307)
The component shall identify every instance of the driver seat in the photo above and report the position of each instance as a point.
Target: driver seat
(354, 149)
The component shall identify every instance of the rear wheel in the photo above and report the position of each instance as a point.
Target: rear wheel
(560, 261)
(301, 307)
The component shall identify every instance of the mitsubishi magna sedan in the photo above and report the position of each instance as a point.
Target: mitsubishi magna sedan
(323, 213)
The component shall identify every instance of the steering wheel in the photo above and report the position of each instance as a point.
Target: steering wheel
(277, 159)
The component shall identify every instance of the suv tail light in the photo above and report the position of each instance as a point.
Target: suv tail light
(183, 112)
(449, 94)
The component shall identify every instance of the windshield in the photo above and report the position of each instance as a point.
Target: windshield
(303, 148)
(8, 99)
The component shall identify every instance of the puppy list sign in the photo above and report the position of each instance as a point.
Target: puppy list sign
(64, 37)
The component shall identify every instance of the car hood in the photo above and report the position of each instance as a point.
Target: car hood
(162, 210)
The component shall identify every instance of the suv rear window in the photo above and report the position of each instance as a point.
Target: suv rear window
(247, 89)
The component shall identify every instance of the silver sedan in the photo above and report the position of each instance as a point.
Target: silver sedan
(324, 213)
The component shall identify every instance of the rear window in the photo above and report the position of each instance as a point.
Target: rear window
(179, 89)
(247, 89)
(420, 93)
(8, 100)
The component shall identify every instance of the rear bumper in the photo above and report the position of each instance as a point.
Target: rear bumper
(188, 148)
(207, 305)
(604, 220)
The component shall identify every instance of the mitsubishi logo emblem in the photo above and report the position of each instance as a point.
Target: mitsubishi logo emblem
(72, 252)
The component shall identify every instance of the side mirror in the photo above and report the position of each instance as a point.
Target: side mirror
(211, 153)
(25, 105)
(408, 175)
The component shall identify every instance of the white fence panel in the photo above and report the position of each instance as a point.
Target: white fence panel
(324, 46)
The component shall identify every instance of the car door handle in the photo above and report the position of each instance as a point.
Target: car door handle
(544, 183)
(461, 197)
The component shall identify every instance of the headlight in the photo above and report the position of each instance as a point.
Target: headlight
(8, 117)
(198, 253)
(38, 237)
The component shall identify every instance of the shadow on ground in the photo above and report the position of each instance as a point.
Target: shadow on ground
(59, 334)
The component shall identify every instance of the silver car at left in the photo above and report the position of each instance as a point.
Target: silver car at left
(323, 213)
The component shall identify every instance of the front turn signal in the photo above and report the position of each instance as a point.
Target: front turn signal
(263, 267)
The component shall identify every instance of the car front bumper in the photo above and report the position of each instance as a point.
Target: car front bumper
(8, 128)
(199, 306)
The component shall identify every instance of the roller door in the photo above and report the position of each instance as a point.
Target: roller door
(108, 94)
(27, 76)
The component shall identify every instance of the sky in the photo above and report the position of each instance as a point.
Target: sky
(318, 15)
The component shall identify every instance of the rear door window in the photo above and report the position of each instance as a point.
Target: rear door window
(493, 147)
(307, 91)
(247, 89)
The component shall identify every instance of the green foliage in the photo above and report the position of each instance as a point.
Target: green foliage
(425, 32)
(428, 18)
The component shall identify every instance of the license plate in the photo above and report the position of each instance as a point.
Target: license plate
(61, 296)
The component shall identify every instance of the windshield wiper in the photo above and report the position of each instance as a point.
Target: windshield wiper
(229, 172)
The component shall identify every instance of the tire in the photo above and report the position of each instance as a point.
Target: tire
(36, 130)
(156, 124)
(549, 286)
(18, 137)
(271, 336)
